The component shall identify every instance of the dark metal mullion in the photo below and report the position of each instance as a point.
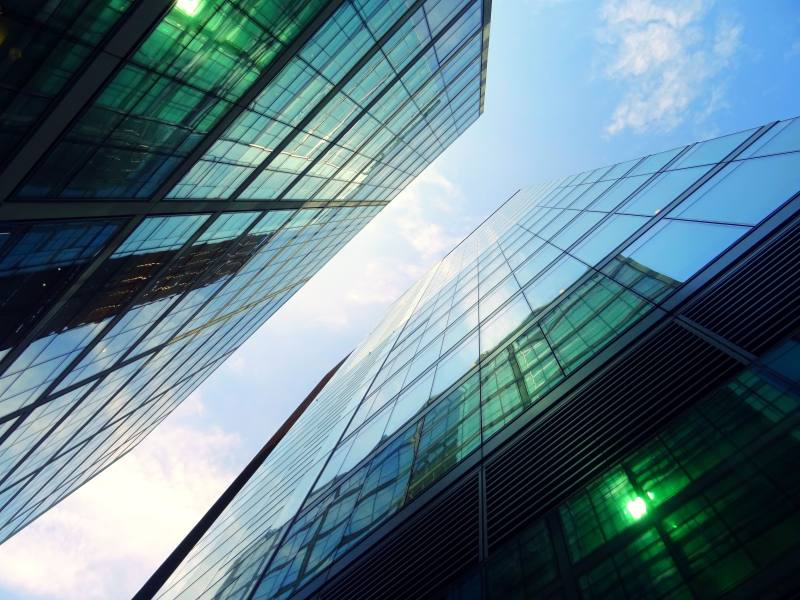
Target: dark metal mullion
(77, 448)
(73, 451)
(446, 92)
(332, 93)
(101, 146)
(64, 35)
(163, 573)
(102, 373)
(439, 72)
(109, 208)
(591, 270)
(14, 237)
(123, 361)
(438, 60)
(37, 329)
(483, 508)
(514, 363)
(598, 268)
(109, 326)
(215, 264)
(357, 151)
(566, 574)
(27, 479)
(278, 254)
(85, 275)
(119, 43)
(240, 106)
(775, 378)
(577, 326)
(487, 21)
(678, 559)
(686, 193)
(23, 411)
(694, 487)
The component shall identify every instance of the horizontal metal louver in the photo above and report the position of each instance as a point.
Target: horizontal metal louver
(626, 404)
(433, 547)
(757, 300)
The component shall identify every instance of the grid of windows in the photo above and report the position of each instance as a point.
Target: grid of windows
(45, 44)
(116, 320)
(541, 287)
(184, 76)
(358, 122)
(694, 512)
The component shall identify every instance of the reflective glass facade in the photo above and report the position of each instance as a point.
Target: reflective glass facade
(679, 487)
(226, 156)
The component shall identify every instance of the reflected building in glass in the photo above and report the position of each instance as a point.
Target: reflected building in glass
(594, 395)
(171, 173)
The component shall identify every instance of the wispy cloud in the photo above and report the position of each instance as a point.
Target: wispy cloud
(419, 226)
(671, 58)
(386, 282)
(109, 536)
(794, 49)
(418, 214)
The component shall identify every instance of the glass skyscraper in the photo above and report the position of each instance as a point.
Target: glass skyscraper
(594, 395)
(171, 172)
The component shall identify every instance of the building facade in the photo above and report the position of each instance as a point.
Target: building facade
(171, 173)
(594, 395)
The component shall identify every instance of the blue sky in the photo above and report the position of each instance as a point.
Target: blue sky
(571, 85)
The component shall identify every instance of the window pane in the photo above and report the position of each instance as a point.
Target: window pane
(744, 192)
(607, 237)
(663, 190)
(506, 322)
(554, 282)
(678, 249)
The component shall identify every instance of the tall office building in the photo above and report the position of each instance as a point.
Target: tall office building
(171, 172)
(594, 395)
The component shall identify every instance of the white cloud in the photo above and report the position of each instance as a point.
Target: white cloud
(419, 226)
(670, 59)
(236, 364)
(794, 49)
(385, 282)
(109, 536)
(421, 210)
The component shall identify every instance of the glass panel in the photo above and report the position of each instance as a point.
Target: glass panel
(450, 432)
(46, 44)
(661, 191)
(621, 190)
(537, 263)
(410, 402)
(784, 137)
(676, 250)
(582, 223)
(524, 566)
(589, 318)
(554, 282)
(711, 151)
(607, 237)
(384, 489)
(538, 367)
(654, 162)
(744, 192)
(503, 324)
(455, 364)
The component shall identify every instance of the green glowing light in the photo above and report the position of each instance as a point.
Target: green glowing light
(188, 7)
(637, 508)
